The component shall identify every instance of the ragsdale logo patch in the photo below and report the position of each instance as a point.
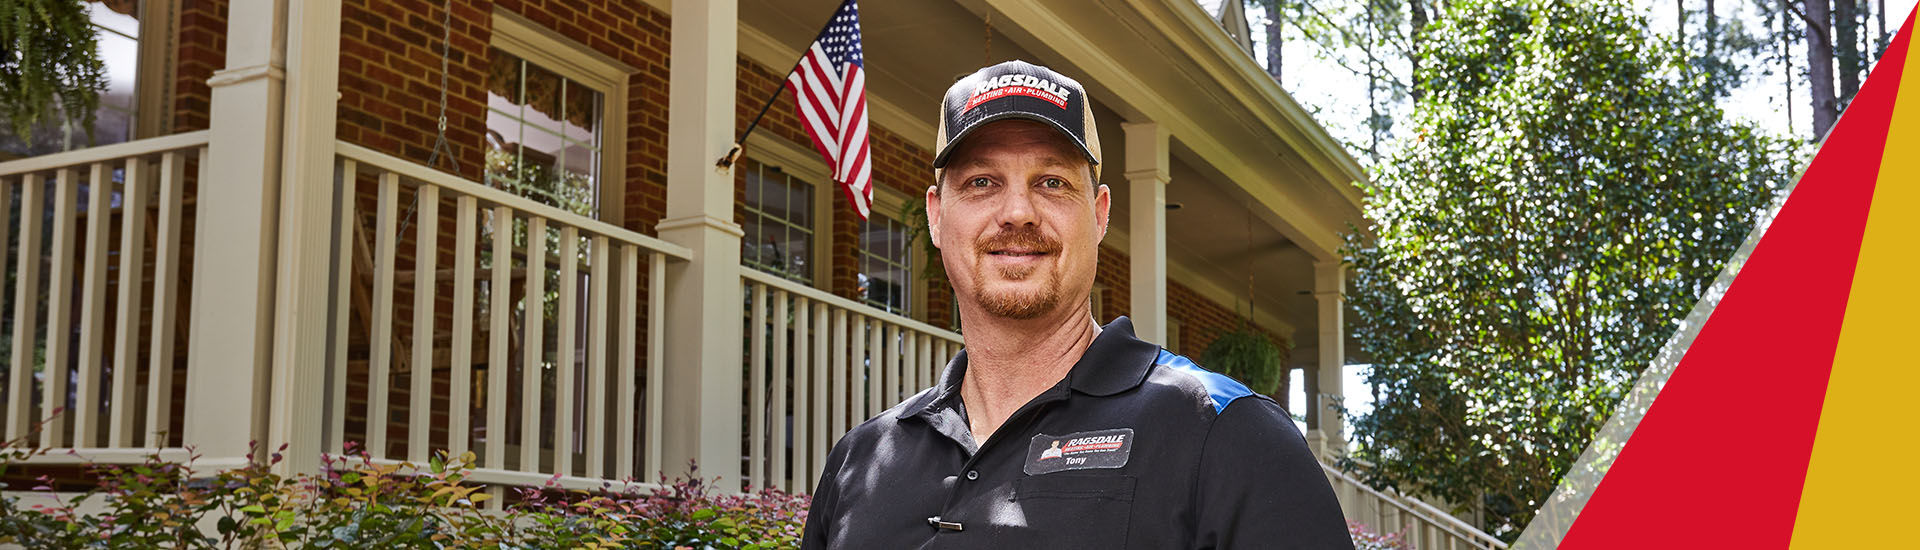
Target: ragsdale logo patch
(1018, 84)
(1079, 451)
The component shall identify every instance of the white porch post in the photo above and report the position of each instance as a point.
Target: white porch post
(232, 321)
(1326, 436)
(1147, 176)
(300, 343)
(254, 277)
(701, 410)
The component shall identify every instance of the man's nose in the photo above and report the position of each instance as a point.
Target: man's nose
(1016, 207)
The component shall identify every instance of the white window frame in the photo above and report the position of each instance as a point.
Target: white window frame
(580, 63)
(803, 165)
(887, 202)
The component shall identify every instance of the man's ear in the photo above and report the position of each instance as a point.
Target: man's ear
(1102, 207)
(933, 214)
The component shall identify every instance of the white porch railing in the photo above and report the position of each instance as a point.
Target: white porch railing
(1424, 526)
(538, 380)
(817, 365)
(96, 283)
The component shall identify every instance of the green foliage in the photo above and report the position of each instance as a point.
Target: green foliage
(913, 213)
(49, 64)
(1247, 355)
(356, 503)
(1568, 197)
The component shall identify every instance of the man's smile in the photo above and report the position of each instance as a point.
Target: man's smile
(1018, 253)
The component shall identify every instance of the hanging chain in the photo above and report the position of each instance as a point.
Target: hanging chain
(986, 46)
(446, 49)
(1249, 320)
(440, 143)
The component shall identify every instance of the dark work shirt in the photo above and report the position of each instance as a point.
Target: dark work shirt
(1135, 448)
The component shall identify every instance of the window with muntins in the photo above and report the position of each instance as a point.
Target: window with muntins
(779, 223)
(885, 264)
(543, 134)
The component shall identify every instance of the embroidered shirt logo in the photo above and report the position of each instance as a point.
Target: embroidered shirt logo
(1079, 451)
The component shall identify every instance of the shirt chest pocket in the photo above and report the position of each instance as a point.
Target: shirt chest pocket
(1076, 511)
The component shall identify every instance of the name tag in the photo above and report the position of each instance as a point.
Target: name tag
(1047, 454)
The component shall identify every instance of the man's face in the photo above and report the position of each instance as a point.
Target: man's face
(1018, 220)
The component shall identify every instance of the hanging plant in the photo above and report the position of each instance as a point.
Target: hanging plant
(1248, 355)
(50, 66)
(914, 214)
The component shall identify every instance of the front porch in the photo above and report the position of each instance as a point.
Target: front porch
(290, 276)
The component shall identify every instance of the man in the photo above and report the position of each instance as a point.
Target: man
(1050, 431)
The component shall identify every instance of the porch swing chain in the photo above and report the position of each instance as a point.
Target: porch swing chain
(440, 138)
(1249, 320)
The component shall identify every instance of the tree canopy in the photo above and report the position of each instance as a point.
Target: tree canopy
(1566, 196)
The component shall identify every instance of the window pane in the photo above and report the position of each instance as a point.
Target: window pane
(779, 238)
(113, 122)
(884, 263)
(503, 79)
(550, 123)
(119, 16)
(117, 31)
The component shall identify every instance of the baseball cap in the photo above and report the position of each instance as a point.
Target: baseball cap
(1016, 89)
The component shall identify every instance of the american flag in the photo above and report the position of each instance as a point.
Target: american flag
(830, 89)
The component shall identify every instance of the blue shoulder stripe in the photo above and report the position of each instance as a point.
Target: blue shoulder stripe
(1220, 388)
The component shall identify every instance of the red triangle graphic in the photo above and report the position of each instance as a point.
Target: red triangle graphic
(1721, 455)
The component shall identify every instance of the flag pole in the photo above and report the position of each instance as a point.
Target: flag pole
(726, 162)
(733, 154)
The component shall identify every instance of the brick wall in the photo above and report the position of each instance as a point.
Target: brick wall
(390, 82)
(202, 49)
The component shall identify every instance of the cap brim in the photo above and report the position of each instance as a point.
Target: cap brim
(940, 160)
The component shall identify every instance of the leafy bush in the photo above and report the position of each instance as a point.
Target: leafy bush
(356, 503)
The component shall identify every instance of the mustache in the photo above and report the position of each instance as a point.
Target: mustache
(1025, 237)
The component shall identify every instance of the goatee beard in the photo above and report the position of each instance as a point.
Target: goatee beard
(1013, 304)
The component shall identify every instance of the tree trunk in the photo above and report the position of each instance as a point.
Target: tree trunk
(1418, 13)
(1846, 43)
(1373, 83)
(1786, 59)
(1274, 39)
(1680, 25)
(1820, 66)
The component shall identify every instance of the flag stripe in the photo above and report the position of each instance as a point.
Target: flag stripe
(830, 95)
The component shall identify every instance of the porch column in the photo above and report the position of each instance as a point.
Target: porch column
(230, 346)
(701, 410)
(304, 284)
(1147, 177)
(1325, 435)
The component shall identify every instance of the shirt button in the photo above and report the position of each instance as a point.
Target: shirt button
(973, 475)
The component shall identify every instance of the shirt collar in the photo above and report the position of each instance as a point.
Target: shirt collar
(1117, 361)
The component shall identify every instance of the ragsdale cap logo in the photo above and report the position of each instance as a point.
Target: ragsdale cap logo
(1016, 89)
(1019, 84)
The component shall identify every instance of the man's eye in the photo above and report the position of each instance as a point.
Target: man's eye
(979, 182)
(1054, 183)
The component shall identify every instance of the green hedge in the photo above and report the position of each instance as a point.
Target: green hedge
(354, 503)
